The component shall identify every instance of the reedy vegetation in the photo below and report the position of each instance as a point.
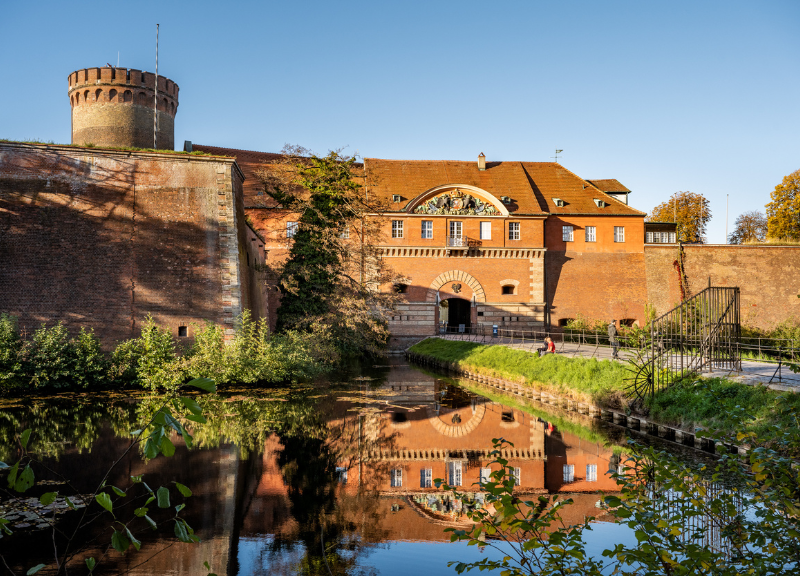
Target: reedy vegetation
(52, 360)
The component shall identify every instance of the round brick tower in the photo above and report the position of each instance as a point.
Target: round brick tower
(114, 107)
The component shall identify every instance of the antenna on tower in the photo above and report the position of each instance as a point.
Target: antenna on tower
(155, 100)
(557, 153)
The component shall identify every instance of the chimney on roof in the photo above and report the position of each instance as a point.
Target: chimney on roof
(481, 162)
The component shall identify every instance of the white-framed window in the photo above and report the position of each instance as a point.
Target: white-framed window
(591, 234)
(486, 230)
(566, 233)
(427, 229)
(517, 476)
(486, 475)
(660, 238)
(397, 228)
(591, 472)
(397, 477)
(454, 473)
(426, 478)
(291, 229)
(455, 229)
(569, 473)
(619, 233)
(513, 230)
(341, 474)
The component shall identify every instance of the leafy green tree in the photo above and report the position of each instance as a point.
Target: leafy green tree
(11, 373)
(690, 211)
(749, 227)
(783, 212)
(331, 282)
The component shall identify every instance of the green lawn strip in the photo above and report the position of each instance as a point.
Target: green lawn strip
(585, 379)
(717, 404)
(707, 403)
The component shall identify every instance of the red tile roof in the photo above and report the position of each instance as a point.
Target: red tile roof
(610, 185)
(532, 186)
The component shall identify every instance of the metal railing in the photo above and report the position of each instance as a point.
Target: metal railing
(457, 242)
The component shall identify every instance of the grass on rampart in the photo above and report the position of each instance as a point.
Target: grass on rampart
(711, 404)
(727, 406)
(586, 379)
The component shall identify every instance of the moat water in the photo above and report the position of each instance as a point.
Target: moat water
(279, 475)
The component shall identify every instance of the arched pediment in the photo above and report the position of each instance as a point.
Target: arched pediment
(460, 199)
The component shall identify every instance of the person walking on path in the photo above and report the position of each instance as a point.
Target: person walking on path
(612, 339)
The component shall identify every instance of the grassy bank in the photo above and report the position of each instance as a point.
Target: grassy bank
(712, 404)
(586, 379)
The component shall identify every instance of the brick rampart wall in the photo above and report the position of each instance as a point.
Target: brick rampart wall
(768, 276)
(101, 238)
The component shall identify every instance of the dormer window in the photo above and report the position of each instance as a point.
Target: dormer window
(505, 199)
(600, 203)
(396, 198)
(558, 202)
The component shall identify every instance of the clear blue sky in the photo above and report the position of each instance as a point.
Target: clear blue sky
(664, 96)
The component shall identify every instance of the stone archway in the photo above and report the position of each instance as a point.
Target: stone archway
(456, 276)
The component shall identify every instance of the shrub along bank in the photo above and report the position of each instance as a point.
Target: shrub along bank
(50, 359)
(712, 404)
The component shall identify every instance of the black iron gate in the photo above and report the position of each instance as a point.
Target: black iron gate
(701, 334)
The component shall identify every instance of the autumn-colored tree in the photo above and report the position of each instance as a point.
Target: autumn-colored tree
(749, 227)
(690, 211)
(783, 213)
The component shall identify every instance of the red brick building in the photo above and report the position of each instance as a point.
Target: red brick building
(520, 245)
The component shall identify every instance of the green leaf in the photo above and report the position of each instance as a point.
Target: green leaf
(136, 543)
(105, 501)
(179, 507)
(35, 569)
(163, 497)
(119, 541)
(137, 479)
(205, 384)
(23, 438)
(25, 480)
(184, 532)
(12, 476)
(150, 500)
(90, 563)
(192, 405)
(150, 449)
(184, 490)
(69, 502)
(3, 526)
(140, 512)
(152, 523)
(48, 498)
(167, 447)
(117, 491)
(197, 418)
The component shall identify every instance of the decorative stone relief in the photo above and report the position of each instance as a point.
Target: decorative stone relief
(456, 202)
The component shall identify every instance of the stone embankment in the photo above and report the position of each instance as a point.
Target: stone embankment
(634, 422)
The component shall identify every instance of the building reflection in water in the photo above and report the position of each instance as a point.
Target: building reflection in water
(393, 441)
